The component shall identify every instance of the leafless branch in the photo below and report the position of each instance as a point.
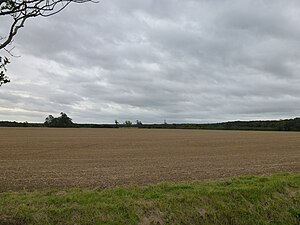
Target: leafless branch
(21, 10)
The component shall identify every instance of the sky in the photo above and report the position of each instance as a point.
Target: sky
(191, 61)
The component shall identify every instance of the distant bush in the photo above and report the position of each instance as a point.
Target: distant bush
(127, 123)
(62, 121)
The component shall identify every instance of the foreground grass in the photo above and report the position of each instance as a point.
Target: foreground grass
(244, 200)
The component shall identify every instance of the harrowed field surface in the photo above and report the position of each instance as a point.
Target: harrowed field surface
(33, 158)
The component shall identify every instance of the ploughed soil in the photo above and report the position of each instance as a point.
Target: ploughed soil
(32, 158)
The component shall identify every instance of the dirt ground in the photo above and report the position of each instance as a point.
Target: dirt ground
(33, 158)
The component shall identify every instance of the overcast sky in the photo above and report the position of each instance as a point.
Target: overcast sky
(155, 60)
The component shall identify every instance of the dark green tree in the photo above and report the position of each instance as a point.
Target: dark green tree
(117, 123)
(127, 123)
(62, 121)
(139, 123)
(65, 121)
(49, 119)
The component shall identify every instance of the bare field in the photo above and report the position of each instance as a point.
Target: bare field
(57, 158)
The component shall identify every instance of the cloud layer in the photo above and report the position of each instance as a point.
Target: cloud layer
(183, 61)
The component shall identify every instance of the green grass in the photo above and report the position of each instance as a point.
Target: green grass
(243, 200)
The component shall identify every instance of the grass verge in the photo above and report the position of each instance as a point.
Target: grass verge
(244, 200)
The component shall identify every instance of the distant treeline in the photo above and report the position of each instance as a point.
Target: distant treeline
(19, 124)
(268, 125)
(75, 125)
(272, 125)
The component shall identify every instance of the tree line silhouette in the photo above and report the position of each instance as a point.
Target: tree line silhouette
(65, 121)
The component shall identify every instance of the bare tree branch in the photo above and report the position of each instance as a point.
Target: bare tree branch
(20, 11)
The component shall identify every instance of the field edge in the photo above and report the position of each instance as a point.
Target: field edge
(273, 199)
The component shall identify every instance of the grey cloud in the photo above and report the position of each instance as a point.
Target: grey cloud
(191, 61)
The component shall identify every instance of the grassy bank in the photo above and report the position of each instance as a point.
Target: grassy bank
(245, 200)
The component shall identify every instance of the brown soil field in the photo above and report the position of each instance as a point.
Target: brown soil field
(33, 158)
